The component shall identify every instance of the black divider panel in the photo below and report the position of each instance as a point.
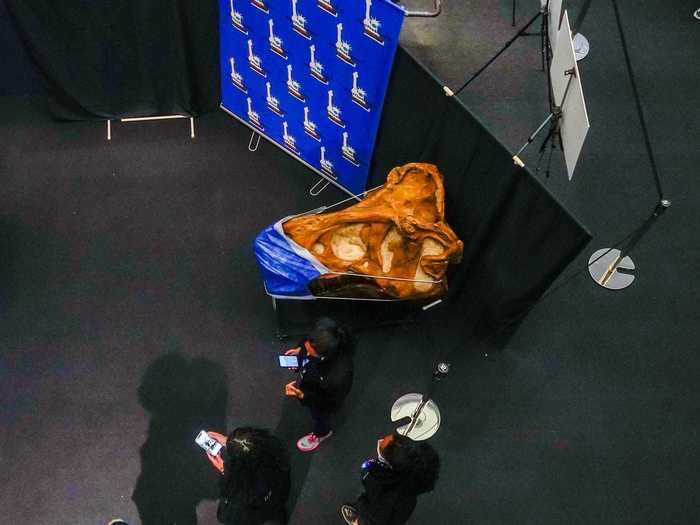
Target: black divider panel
(517, 237)
(117, 59)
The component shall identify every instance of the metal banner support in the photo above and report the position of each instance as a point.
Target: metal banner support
(437, 9)
(254, 142)
(156, 117)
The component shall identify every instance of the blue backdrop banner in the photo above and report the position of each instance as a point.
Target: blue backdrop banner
(312, 76)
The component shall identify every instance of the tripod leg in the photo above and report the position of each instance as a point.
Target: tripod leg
(539, 161)
(549, 160)
(543, 38)
(547, 138)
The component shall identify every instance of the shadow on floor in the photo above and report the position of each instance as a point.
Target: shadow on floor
(183, 396)
(9, 239)
(294, 423)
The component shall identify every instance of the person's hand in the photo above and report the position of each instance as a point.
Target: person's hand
(217, 460)
(291, 389)
(293, 351)
(218, 437)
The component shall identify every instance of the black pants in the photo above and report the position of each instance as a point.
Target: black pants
(322, 420)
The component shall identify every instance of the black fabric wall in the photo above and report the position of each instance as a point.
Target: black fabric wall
(18, 74)
(128, 58)
(517, 236)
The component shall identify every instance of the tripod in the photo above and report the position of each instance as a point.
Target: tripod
(554, 120)
(417, 415)
(544, 13)
(581, 44)
(605, 264)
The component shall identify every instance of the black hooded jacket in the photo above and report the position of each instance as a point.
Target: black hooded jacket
(325, 381)
(389, 497)
(260, 500)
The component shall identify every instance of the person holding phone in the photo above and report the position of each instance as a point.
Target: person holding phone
(392, 481)
(255, 477)
(324, 377)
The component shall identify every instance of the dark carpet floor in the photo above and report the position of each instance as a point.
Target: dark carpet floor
(132, 313)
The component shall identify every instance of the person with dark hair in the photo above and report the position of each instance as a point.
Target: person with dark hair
(324, 377)
(402, 470)
(255, 478)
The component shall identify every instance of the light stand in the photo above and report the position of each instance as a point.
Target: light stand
(417, 415)
(581, 45)
(543, 12)
(554, 120)
(605, 264)
(568, 117)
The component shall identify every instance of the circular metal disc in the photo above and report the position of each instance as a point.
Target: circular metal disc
(605, 270)
(581, 46)
(428, 420)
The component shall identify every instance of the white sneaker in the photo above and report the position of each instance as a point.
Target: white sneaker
(349, 514)
(310, 442)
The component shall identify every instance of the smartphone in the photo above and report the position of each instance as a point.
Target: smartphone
(208, 443)
(289, 361)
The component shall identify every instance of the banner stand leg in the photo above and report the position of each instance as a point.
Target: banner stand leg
(317, 188)
(155, 117)
(254, 142)
(437, 9)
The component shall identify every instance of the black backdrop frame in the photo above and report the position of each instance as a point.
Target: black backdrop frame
(517, 236)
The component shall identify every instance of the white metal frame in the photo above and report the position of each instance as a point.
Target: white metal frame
(437, 9)
(155, 117)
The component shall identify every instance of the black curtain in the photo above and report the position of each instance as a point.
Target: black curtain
(517, 236)
(18, 76)
(109, 59)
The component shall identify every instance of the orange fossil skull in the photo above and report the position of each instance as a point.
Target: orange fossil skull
(394, 243)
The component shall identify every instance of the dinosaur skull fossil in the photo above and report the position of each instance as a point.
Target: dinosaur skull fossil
(394, 243)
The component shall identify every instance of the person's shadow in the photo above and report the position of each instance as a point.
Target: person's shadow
(183, 396)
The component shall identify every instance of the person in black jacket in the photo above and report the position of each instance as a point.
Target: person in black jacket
(402, 470)
(324, 377)
(255, 477)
